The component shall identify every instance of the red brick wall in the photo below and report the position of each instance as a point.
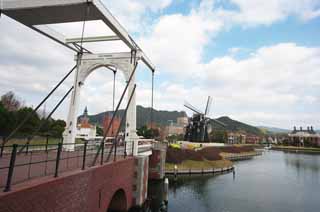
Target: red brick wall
(154, 163)
(75, 192)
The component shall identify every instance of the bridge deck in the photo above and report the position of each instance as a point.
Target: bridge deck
(40, 164)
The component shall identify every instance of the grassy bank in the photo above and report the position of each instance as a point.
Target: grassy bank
(295, 149)
(205, 158)
(206, 164)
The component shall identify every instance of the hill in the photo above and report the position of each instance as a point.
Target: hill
(233, 125)
(273, 130)
(160, 117)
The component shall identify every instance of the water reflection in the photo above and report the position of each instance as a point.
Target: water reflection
(276, 181)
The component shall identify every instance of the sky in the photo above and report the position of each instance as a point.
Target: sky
(259, 60)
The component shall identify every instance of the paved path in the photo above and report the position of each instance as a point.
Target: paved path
(45, 163)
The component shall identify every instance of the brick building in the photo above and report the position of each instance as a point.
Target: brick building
(304, 137)
(115, 125)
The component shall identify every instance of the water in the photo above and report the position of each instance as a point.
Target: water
(275, 181)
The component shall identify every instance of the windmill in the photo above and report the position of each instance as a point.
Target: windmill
(199, 126)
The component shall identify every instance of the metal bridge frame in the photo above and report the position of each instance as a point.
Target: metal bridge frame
(38, 14)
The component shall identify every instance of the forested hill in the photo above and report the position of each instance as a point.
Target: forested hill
(236, 126)
(160, 117)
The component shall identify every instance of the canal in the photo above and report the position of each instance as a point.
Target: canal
(275, 181)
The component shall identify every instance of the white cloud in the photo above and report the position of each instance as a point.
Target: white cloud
(177, 41)
(269, 85)
(132, 13)
(255, 12)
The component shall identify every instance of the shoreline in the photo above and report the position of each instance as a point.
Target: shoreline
(293, 149)
(209, 167)
(213, 171)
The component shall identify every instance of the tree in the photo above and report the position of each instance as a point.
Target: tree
(7, 121)
(99, 131)
(57, 128)
(31, 125)
(219, 136)
(10, 101)
(148, 132)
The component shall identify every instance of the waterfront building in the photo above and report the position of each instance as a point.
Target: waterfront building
(84, 129)
(182, 121)
(304, 137)
(115, 125)
(236, 138)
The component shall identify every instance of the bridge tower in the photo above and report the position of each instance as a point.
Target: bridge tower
(86, 64)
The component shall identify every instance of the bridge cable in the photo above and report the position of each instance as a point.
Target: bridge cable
(152, 92)
(115, 112)
(45, 120)
(35, 109)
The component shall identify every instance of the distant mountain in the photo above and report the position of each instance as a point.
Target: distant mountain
(273, 129)
(160, 117)
(235, 126)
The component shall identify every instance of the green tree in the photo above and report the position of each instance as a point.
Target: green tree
(99, 131)
(57, 128)
(148, 132)
(32, 123)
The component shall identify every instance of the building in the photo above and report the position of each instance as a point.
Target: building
(304, 137)
(84, 129)
(114, 127)
(182, 121)
(252, 139)
(236, 138)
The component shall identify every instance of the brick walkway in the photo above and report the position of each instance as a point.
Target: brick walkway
(69, 161)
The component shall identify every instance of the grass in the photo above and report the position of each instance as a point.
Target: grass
(190, 164)
(34, 141)
(39, 141)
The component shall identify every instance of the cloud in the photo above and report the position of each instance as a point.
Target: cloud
(177, 41)
(253, 12)
(132, 13)
(273, 84)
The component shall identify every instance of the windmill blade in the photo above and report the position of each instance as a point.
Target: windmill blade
(209, 102)
(219, 122)
(189, 106)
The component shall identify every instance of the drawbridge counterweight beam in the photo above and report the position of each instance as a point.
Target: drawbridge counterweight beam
(38, 14)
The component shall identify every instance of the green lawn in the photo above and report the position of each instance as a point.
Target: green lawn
(190, 164)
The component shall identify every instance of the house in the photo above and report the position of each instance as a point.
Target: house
(304, 137)
(84, 129)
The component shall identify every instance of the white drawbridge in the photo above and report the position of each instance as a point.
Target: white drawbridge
(39, 15)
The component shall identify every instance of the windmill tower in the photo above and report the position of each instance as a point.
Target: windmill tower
(198, 128)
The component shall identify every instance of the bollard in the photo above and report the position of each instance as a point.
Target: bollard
(166, 190)
(175, 172)
(11, 167)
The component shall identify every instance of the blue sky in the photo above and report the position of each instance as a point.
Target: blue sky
(259, 60)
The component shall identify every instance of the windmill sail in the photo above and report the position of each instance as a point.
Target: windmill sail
(194, 109)
(209, 102)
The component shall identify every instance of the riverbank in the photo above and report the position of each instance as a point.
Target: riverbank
(296, 149)
(209, 159)
(240, 156)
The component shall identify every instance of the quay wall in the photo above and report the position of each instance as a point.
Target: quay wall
(90, 190)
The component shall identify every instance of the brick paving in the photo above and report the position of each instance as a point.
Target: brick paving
(45, 163)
